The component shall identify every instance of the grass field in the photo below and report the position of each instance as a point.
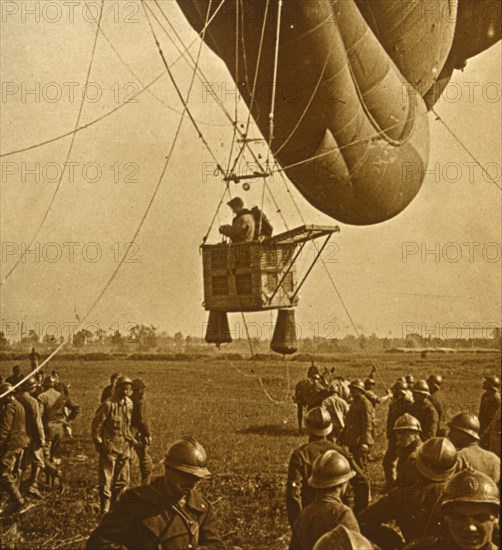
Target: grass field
(248, 438)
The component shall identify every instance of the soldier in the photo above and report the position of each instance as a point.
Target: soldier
(424, 411)
(470, 507)
(309, 393)
(330, 475)
(15, 377)
(34, 455)
(337, 408)
(490, 438)
(373, 398)
(359, 425)
(242, 229)
(167, 513)
(299, 493)
(411, 503)
(112, 437)
(140, 429)
(399, 406)
(342, 538)
(407, 429)
(490, 401)
(464, 434)
(13, 441)
(108, 390)
(435, 381)
(410, 380)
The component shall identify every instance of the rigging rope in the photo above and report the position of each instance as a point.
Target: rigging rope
(130, 244)
(68, 154)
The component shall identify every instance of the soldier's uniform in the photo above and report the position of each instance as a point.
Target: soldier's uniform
(112, 437)
(13, 441)
(34, 455)
(490, 438)
(404, 454)
(145, 518)
(359, 426)
(140, 429)
(299, 494)
(486, 462)
(53, 417)
(488, 407)
(318, 518)
(427, 415)
(439, 402)
(397, 408)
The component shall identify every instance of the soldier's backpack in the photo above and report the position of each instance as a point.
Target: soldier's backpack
(263, 227)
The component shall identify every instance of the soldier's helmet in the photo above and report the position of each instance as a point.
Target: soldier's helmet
(410, 379)
(48, 382)
(399, 386)
(471, 486)
(357, 384)
(123, 381)
(437, 459)
(407, 422)
(422, 387)
(342, 538)
(30, 384)
(467, 423)
(188, 455)
(313, 371)
(138, 384)
(330, 470)
(435, 380)
(491, 382)
(5, 387)
(318, 422)
(369, 383)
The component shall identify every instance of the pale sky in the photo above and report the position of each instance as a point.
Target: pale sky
(456, 205)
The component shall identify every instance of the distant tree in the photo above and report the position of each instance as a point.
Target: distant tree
(117, 339)
(100, 335)
(81, 337)
(32, 337)
(179, 340)
(49, 339)
(145, 336)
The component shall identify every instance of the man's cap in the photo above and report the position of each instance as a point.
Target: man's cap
(236, 201)
(342, 538)
(437, 459)
(470, 486)
(422, 387)
(48, 382)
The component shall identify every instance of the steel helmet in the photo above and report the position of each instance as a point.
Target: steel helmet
(400, 386)
(435, 380)
(466, 422)
(421, 386)
(188, 455)
(407, 422)
(30, 384)
(342, 538)
(313, 370)
(469, 485)
(123, 381)
(318, 421)
(491, 382)
(410, 379)
(357, 384)
(138, 384)
(5, 387)
(330, 470)
(48, 382)
(437, 459)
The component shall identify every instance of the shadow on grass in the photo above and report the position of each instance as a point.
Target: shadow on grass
(270, 429)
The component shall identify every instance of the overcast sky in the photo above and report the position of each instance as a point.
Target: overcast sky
(125, 154)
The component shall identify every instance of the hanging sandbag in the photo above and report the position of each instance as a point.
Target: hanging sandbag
(284, 338)
(218, 331)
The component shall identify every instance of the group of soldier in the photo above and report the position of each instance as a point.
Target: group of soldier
(441, 484)
(441, 474)
(36, 414)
